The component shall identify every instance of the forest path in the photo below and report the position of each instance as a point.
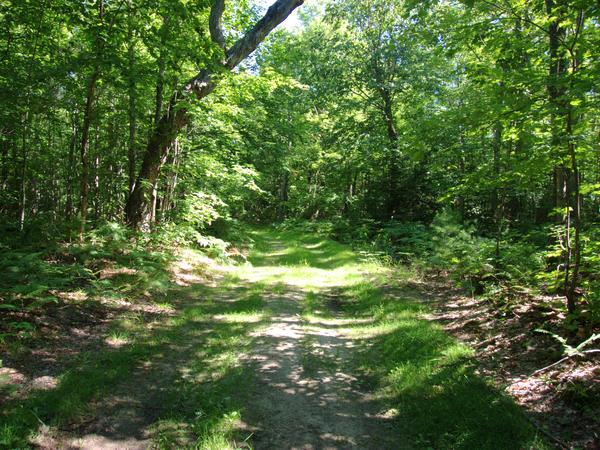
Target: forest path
(282, 353)
(255, 356)
(306, 395)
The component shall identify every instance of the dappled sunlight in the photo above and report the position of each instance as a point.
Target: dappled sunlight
(373, 330)
(304, 277)
(300, 356)
(241, 317)
(45, 440)
(306, 261)
(344, 324)
(186, 362)
(283, 353)
(117, 341)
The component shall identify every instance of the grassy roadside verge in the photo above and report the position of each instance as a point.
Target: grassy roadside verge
(427, 379)
(173, 379)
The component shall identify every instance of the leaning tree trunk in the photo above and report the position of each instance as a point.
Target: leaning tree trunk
(138, 208)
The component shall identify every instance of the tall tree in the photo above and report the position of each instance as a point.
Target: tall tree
(138, 208)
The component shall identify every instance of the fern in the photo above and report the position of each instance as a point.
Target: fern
(569, 350)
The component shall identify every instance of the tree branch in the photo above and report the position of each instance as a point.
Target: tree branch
(215, 23)
(203, 84)
(277, 13)
(566, 358)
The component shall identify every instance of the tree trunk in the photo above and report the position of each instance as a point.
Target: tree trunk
(566, 174)
(285, 186)
(393, 170)
(84, 150)
(284, 193)
(574, 222)
(97, 199)
(496, 148)
(85, 131)
(574, 195)
(160, 81)
(70, 166)
(23, 174)
(166, 130)
(556, 92)
(131, 156)
(174, 159)
(496, 209)
(598, 163)
(6, 144)
(460, 200)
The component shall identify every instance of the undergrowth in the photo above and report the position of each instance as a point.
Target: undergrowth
(504, 268)
(111, 262)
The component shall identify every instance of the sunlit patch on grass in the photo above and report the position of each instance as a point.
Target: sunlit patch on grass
(252, 317)
(78, 295)
(217, 434)
(10, 379)
(306, 276)
(456, 353)
(307, 261)
(230, 280)
(172, 434)
(130, 322)
(373, 330)
(117, 339)
(165, 306)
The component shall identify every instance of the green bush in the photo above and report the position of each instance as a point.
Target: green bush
(405, 241)
(448, 245)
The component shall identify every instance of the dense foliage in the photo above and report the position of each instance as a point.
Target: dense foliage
(459, 136)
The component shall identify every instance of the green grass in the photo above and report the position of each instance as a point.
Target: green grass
(187, 368)
(295, 258)
(426, 378)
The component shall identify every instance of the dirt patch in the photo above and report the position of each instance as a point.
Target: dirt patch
(305, 399)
